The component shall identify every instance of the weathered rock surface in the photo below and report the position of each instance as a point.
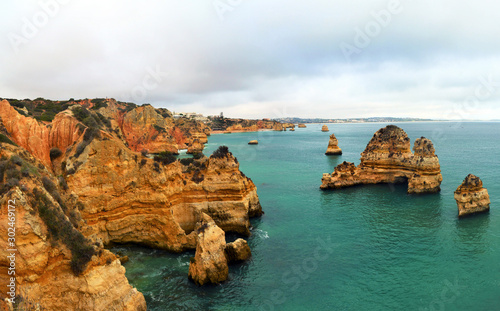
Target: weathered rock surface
(471, 197)
(324, 128)
(238, 251)
(43, 272)
(145, 129)
(388, 159)
(209, 264)
(130, 199)
(36, 137)
(195, 147)
(302, 125)
(123, 196)
(333, 148)
(253, 142)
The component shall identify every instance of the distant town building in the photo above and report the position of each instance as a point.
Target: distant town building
(190, 115)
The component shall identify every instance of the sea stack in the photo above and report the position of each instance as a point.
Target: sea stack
(471, 197)
(388, 159)
(253, 142)
(325, 128)
(333, 148)
(209, 265)
(302, 126)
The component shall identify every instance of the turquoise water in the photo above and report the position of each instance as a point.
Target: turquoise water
(362, 248)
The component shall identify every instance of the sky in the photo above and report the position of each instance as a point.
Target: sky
(259, 59)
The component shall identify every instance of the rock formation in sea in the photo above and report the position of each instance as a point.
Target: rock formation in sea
(301, 125)
(388, 159)
(113, 189)
(472, 197)
(324, 128)
(333, 148)
(238, 251)
(253, 142)
(209, 265)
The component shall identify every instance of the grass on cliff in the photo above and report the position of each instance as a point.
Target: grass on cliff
(12, 170)
(5, 139)
(61, 229)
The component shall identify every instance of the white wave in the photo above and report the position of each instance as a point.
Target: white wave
(261, 234)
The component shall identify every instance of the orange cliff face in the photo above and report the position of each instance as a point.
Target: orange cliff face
(38, 138)
(145, 129)
(388, 159)
(133, 199)
(42, 267)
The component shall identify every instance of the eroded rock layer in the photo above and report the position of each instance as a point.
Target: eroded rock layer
(209, 264)
(388, 159)
(472, 197)
(112, 193)
(45, 262)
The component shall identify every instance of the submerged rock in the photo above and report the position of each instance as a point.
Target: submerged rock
(325, 128)
(388, 159)
(333, 148)
(471, 197)
(253, 142)
(210, 263)
(238, 251)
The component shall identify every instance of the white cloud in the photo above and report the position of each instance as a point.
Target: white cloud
(264, 56)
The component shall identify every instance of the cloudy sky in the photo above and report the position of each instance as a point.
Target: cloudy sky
(256, 58)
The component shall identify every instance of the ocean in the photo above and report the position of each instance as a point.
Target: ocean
(363, 248)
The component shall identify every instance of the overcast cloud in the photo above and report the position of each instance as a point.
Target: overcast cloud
(335, 59)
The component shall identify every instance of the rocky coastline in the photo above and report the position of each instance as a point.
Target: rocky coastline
(106, 170)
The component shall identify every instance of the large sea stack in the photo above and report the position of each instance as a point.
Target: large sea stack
(388, 159)
(333, 148)
(471, 197)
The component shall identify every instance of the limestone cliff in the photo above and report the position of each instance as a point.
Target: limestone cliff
(45, 257)
(388, 159)
(472, 197)
(121, 195)
(333, 146)
(36, 137)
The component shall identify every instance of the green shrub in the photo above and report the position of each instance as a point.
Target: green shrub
(47, 116)
(99, 103)
(5, 139)
(61, 229)
(198, 177)
(221, 152)
(198, 155)
(186, 161)
(104, 120)
(165, 158)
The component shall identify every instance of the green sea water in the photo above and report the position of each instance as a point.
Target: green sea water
(362, 248)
